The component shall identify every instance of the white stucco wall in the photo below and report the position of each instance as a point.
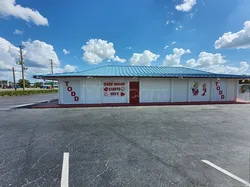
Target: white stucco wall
(179, 90)
(232, 86)
(154, 90)
(92, 90)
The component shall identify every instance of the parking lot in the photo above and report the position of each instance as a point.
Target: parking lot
(126, 146)
(19, 101)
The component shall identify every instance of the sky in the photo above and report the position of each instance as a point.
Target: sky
(209, 35)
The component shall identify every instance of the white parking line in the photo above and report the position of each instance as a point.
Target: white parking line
(226, 172)
(65, 171)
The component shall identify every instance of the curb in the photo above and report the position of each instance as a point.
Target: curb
(128, 105)
(30, 104)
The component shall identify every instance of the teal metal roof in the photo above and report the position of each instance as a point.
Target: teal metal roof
(141, 71)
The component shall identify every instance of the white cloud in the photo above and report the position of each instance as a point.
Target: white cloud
(175, 58)
(143, 59)
(178, 28)
(173, 43)
(28, 24)
(170, 21)
(66, 52)
(98, 50)
(18, 32)
(10, 8)
(118, 59)
(8, 54)
(242, 69)
(238, 40)
(129, 48)
(36, 59)
(38, 54)
(216, 63)
(36, 71)
(69, 68)
(4, 66)
(166, 47)
(186, 6)
(191, 15)
(206, 59)
(191, 30)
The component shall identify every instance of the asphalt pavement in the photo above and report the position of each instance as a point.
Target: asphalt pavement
(7, 102)
(126, 146)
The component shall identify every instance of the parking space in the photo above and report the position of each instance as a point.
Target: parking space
(126, 146)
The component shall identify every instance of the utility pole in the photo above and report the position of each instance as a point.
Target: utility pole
(52, 71)
(14, 77)
(22, 65)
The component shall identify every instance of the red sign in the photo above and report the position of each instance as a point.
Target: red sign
(72, 93)
(219, 90)
(114, 89)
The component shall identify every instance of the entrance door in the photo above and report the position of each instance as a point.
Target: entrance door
(134, 90)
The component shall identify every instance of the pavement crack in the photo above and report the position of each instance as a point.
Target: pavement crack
(175, 168)
(39, 159)
(41, 177)
(81, 138)
(1, 165)
(98, 175)
(8, 172)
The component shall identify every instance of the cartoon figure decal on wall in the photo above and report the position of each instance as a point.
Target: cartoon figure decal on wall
(195, 89)
(204, 88)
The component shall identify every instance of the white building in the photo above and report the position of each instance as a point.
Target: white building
(4, 83)
(145, 84)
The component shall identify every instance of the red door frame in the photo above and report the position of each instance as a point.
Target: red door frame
(134, 92)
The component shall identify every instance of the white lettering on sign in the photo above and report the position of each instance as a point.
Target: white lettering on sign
(114, 89)
(72, 93)
(219, 90)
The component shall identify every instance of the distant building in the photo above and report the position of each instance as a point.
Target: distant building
(4, 83)
(50, 83)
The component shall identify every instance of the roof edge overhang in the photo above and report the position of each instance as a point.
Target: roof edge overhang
(172, 76)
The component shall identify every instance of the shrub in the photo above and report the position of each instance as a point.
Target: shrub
(26, 92)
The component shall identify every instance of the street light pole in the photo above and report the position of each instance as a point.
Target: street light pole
(14, 77)
(52, 71)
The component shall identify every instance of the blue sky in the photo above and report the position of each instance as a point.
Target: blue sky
(132, 31)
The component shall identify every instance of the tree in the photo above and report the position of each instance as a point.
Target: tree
(38, 85)
(27, 83)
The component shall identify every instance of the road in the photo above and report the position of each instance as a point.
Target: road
(126, 146)
(14, 101)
